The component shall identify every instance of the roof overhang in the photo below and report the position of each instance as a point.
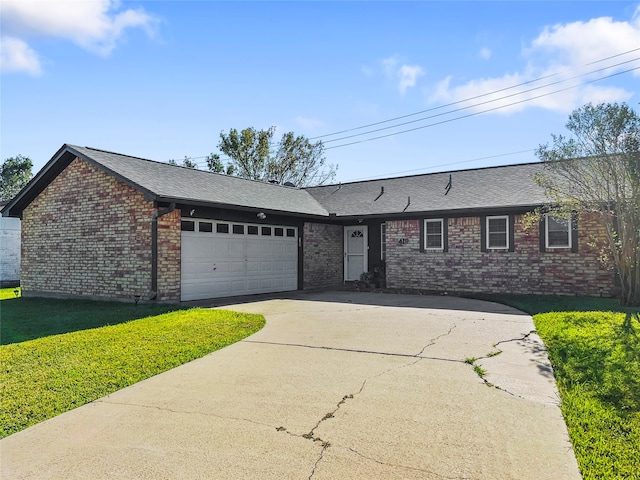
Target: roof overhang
(61, 160)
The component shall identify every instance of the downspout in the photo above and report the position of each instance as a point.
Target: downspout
(154, 249)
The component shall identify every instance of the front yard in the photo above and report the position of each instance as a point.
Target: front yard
(594, 348)
(58, 355)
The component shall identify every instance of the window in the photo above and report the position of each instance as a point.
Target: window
(498, 232)
(383, 242)
(558, 232)
(252, 229)
(238, 229)
(291, 232)
(278, 232)
(433, 234)
(222, 228)
(187, 226)
(266, 231)
(205, 227)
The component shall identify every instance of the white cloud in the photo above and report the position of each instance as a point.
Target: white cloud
(17, 56)
(485, 53)
(563, 50)
(408, 75)
(95, 25)
(405, 75)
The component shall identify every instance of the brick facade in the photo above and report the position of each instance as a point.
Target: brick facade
(526, 270)
(89, 234)
(323, 255)
(95, 234)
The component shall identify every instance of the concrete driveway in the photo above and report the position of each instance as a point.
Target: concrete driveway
(338, 385)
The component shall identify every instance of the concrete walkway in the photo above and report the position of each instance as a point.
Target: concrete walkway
(338, 385)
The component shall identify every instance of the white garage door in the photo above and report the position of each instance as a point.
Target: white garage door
(222, 259)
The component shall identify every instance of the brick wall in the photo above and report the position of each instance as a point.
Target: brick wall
(89, 234)
(465, 268)
(323, 255)
(169, 243)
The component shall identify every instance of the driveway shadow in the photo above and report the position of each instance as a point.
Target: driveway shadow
(438, 302)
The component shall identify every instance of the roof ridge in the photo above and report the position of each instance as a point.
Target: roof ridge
(443, 172)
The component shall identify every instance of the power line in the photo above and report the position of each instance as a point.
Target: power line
(470, 114)
(226, 158)
(488, 101)
(475, 97)
(393, 174)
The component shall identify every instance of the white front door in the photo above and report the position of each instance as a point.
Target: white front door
(355, 252)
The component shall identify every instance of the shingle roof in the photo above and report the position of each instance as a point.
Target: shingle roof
(485, 188)
(186, 185)
(478, 189)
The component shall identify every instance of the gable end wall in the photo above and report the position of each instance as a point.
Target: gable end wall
(88, 234)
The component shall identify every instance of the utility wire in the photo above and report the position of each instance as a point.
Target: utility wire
(491, 101)
(394, 174)
(226, 158)
(472, 114)
(472, 98)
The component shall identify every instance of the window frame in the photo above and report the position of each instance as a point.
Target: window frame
(488, 232)
(569, 244)
(426, 235)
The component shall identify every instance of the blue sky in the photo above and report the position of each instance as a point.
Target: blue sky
(162, 79)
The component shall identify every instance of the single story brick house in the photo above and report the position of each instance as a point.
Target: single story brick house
(105, 225)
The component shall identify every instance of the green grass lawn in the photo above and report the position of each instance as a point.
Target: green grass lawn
(30, 318)
(46, 376)
(594, 347)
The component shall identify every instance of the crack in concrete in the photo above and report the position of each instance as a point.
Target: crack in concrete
(406, 467)
(484, 372)
(434, 340)
(315, 466)
(325, 445)
(188, 412)
(331, 414)
(311, 434)
(493, 354)
(418, 357)
(353, 350)
(526, 336)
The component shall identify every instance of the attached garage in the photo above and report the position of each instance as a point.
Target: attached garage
(221, 258)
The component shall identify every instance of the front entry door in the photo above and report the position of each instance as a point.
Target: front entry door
(355, 252)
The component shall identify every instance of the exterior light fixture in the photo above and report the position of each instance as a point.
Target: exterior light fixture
(261, 215)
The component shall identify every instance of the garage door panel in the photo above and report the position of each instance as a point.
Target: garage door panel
(226, 264)
(199, 268)
(253, 247)
(253, 267)
(265, 266)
